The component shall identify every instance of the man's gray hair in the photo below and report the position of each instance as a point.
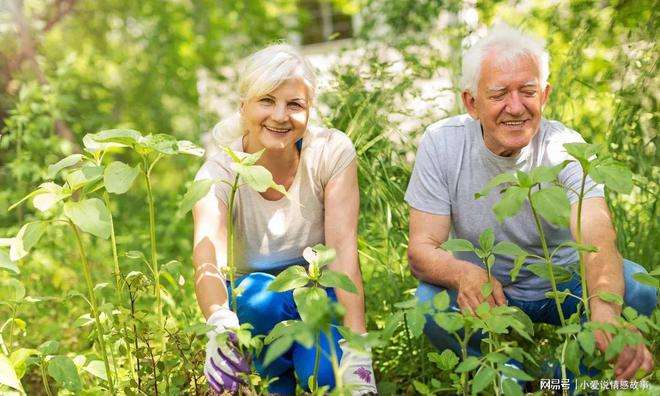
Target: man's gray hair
(510, 44)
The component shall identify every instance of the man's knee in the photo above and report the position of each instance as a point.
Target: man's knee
(643, 298)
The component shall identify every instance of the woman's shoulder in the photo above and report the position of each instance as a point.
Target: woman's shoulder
(322, 138)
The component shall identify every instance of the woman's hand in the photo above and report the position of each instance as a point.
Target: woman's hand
(224, 363)
(357, 372)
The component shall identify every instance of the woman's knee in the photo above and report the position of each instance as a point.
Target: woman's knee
(643, 298)
(257, 305)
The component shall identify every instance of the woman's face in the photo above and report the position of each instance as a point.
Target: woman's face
(275, 121)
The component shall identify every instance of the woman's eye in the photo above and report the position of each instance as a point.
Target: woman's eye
(295, 105)
(266, 100)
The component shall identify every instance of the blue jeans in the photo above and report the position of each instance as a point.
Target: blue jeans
(263, 309)
(638, 296)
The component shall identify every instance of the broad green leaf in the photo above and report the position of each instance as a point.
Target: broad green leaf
(497, 357)
(467, 365)
(66, 162)
(160, 142)
(511, 387)
(515, 372)
(83, 176)
(97, 369)
(506, 248)
(553, 205)
(27, 237)
(8, 376)
(482, 379)
(523, 179)
(49, 347)
(319, 255)
(123, 136)
(90, 215)
(251, 159)
(572, 328)
(486, 239)
(287, 327)
(561, 295)
(611, 297)
(256, 176)
(6, 263)
(583, 152)
(48, 195)
(646, 279)
(450, 321)
(187, 147)
(579, 247)
(494, 182)
(93, 146)
(587, 342)
(64, 371)
(118, 177)
(12, 290)
(614, 175)
(510, 203)
(19, 360)
(416, 320)
(446, 360)
(573, 356)
(441, 301)
(486, 289)
(546, 174)
(541, 270)
(422, 388)
(291, 278)
(337, 280)
(458, 245)
(233, 155)
(83, 320)
(313, 305)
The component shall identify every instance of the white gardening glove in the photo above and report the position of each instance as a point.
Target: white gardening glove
(224, 363)
(357, 373)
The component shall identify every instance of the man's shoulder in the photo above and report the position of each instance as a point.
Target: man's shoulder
(554, 129)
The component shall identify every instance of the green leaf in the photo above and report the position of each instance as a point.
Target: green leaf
(573, 356)
(83, 176)
(319, 255)
(197, 190)
(48, 195)
(517, 265)
(90, 215)
(256, 176)
(93, 146)
(447, 360)
(8, 376)
(291, 278)
(64, 371)
(467, 365)
(546, 174)
(118, 177)
(233, 155)
(187, 147)
(482, 379)
(494, 182)
(160, 142)
(486, 239)
(83, 320)
(583, 152)
(313, 304)
(441, 301)
(523, 179)
(510, 203)
(579, 247)
(646, 279)
(123, 136)
(49, 347)
(6, 263)
(416, 320)
(422, 388)
(614, 175)
(540, 269)
(12, 290)
(506, 248)
(611, 297)
(66, 162)
(553, 205)
(27, 237)
(572, 328)
(97, 369)
(561, 295)
(511, 388)
(457, 245)
(337, 280)
(450, 321)
(587, 342)
(515, 372)
(251, 159)
(486, 289)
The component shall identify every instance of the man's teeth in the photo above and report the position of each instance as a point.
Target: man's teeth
(513, 123)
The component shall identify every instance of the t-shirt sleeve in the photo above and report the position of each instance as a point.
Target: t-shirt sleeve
(571, 176)
(338, 154)
(217, 170)
(427, 190)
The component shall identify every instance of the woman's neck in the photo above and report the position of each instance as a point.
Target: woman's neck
(278, 162)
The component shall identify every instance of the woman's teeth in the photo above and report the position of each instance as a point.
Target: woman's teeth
(277, 130)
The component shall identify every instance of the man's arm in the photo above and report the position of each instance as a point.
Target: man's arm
(604, 273)
(433, 265)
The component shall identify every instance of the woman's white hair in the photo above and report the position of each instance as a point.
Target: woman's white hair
(509, 44)
(261, 73)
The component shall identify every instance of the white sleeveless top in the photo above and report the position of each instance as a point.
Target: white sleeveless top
(271, 235)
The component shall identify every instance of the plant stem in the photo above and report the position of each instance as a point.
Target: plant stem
(230, 242)
(317, 360)
(92, 300)
(11, 329)
(44, 378)
(152, 234)
(563, 366)
(333, 360)
(583, 268)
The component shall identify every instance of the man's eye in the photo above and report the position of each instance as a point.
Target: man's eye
(529, 93)
(497, 97)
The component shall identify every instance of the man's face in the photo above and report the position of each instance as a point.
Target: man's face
(508, 103)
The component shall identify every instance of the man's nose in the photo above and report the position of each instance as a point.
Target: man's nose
(279, 113)
(514, 105)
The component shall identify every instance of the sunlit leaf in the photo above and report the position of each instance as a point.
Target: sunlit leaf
(64, 371)
(482, 379)
(27, 237)
(468, 364)
(338, 280)
(118, 177)
(614, 175)
(66, 162)
(83, 176)
(486, 239)
(160, 142)
(97, 369)
(90, 215)
(494, 182)
(8, 376)
(12, 290)
(291, 278)
(187, 147)
(510, 203)
(646, 279)
(123, 136)
(553, 205)
(6, 263)
(458, 245)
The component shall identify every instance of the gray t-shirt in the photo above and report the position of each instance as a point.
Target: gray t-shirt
(453, 164)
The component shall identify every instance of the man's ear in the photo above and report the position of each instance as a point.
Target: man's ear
(545, 95)
(469, 102)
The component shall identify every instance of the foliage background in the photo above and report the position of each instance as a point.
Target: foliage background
(74, 67)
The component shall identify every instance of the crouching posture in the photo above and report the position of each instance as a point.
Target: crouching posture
(505, 87)
(317, 167)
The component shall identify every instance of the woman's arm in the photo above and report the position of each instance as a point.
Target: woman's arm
(210, 253)
(342, 202)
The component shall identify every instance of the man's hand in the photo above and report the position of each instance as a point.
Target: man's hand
(631, 358)
(470, 282)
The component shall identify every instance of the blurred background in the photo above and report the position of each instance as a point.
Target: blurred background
(388, 68)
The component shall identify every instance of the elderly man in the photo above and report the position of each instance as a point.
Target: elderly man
(505, 87)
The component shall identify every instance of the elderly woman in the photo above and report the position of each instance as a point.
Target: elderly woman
(317, 167)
